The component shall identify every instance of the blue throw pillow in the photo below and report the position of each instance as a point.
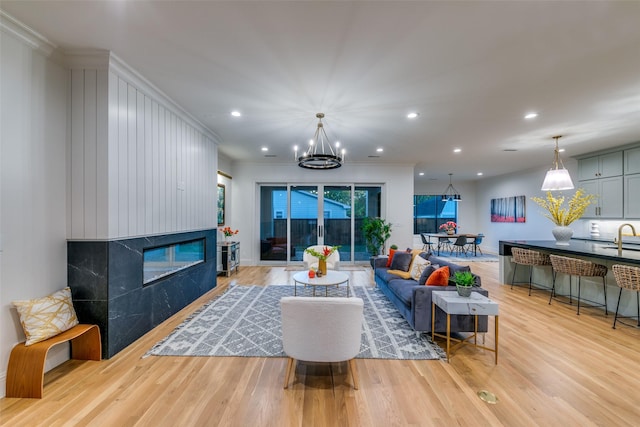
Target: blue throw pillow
(401, 261)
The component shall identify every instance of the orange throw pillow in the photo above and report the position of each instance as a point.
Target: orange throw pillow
(440, 277)
(391, 252)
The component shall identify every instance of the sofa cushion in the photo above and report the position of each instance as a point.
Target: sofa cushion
(453, 268)
(391, 253)
(401, 261)
(384, 274)
(403, 289)
(400, 273)
(417, 267)
(428, 270)
(440, 277)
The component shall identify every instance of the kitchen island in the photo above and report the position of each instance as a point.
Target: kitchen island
(598, 251)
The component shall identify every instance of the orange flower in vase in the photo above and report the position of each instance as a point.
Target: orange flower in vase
(228, 233)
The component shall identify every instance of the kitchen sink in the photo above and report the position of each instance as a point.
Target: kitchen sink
(635, 248)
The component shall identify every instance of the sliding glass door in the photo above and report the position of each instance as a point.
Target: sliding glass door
(304, 209)
(337, 219)
(294, 217)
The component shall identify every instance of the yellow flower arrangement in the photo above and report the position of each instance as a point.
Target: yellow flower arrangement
(563, 216)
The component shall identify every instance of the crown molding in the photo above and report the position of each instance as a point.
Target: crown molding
(94, 59)
(28, 35)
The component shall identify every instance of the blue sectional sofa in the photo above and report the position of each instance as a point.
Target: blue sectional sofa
(413, 300)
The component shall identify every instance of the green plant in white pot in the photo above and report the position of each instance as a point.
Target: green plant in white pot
(464, 282)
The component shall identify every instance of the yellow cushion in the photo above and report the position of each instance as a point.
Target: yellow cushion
(403, 274)
(46, 317)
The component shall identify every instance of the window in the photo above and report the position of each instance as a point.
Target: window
(429, 212)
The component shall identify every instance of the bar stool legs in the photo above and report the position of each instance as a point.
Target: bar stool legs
(627, 277)
(530, 258)
(580, 268)
(615, 318)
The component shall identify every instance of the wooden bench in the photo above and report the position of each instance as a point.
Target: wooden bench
(25, 374)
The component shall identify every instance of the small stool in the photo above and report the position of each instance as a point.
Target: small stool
(531, 258)
(627, 277)
(580, 268)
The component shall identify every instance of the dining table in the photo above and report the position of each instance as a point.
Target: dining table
(438, 236)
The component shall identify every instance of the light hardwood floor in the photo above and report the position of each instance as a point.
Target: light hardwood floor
(555, 369)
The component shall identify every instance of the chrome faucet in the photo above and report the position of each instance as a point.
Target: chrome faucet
(619, 241)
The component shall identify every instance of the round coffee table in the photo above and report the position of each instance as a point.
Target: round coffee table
(332, 278)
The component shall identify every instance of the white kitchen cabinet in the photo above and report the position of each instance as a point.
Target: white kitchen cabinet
(601, 166)
(609, 202)
(632, 196)
(632, 161)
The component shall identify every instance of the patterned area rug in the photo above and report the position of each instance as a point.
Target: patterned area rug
(245, 321)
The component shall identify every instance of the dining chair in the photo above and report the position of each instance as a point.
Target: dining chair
(427, 246)
(459, 246)
(444, 244)
(475, 243)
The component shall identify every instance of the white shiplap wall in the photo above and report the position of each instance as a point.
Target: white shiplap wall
(138, 164)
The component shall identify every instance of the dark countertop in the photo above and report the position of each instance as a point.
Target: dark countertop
(594, 249)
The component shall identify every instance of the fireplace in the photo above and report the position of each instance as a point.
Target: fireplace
(109, 288)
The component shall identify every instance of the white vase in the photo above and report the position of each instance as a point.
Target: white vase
(562, 235)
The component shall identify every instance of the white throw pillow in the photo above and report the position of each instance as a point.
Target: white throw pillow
(46, 317)
(417, 267)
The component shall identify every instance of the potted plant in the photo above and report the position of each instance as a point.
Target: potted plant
(563, 216)
(322, 256)
(376, 233)
(464, 282)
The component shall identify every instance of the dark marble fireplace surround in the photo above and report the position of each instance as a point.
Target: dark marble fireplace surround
(106, 284)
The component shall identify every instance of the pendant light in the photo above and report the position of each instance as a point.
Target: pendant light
(451, 193)
(557, 177)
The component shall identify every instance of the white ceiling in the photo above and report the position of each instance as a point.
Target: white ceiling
(471, 69)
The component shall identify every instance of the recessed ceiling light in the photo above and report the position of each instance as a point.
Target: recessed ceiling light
(530, 116)
(379, 150)
(457, 150)
(480, 174)
(412, 115)
(264, 149)
(236, 113)
(421, 173)
(561, 150)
